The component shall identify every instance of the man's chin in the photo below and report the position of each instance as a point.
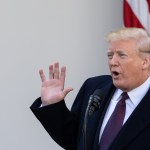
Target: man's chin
(118, 84)
(121, 86)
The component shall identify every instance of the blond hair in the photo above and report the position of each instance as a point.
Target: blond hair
(140, 35)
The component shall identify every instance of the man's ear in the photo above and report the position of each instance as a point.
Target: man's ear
(146, 62)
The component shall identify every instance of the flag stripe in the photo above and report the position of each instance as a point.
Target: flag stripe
(140, 9)
(130, 20)
(148, 2)
(137, 13)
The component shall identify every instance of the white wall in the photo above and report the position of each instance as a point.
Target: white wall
(34, 33)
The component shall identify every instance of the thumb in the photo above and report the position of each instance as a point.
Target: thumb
(67, 90)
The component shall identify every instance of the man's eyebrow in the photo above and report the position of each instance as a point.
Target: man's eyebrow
(110, 52)
(148, 52)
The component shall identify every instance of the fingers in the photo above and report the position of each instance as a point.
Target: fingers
(54, 71)
(43, 78)
(51, 72)
(63, 74)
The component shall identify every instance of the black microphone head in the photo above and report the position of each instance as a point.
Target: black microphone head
(94, 102)
(98, 92)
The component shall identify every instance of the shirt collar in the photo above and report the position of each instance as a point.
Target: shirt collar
(137, 94)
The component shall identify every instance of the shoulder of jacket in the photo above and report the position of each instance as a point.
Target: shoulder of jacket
(98, 81)
(100, 78)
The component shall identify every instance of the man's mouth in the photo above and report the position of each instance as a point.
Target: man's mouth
(115, 73)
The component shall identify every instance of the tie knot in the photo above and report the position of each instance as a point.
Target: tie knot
(124, 96)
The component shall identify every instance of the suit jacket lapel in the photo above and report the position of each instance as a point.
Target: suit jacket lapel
(138, 120)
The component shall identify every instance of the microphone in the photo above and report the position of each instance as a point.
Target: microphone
(94, 102)
(93, 105)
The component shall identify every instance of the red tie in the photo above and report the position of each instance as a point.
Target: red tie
(114, 123)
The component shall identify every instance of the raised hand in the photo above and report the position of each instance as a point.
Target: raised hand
(53, 89)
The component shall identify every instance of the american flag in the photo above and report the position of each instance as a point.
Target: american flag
(136, 13)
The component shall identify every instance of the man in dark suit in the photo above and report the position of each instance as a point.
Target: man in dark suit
(129, 63)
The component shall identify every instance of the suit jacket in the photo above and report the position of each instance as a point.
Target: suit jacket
(65, 126)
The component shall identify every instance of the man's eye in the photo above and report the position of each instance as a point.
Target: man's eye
(122, 55)
(110, 56)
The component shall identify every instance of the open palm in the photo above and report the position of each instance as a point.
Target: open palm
(53, 90)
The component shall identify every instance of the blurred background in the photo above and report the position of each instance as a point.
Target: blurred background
(35, 33)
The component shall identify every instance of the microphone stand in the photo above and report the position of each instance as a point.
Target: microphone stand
(93, 105)
(85, 147)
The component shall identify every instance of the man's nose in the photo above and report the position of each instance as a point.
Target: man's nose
(113, 60)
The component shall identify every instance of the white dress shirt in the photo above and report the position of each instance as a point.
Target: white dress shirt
(135, 96)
